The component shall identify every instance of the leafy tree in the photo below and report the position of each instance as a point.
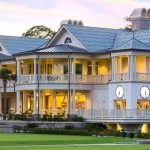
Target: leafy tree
(129, 24)
(5, 75)
(39, 31)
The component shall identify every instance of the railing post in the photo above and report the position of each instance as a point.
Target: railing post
(30, 81)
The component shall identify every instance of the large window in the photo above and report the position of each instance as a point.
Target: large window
(120, 104)
(143, 104)
(61, 102)
(80, 101)
(78, 68)
(89, 68)
(49, 68)
(65, 68)
(48, 102)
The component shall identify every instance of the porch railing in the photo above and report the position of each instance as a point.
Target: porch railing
(63, 78)
(115, 114)
(143, 76)
(10, 83)
(121, 77)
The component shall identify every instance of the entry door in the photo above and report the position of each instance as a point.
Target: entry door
(8, 104)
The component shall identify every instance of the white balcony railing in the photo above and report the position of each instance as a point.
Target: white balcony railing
(10, 83)
(114, 114)
(63, 78)
(142, 76)
(121, 77)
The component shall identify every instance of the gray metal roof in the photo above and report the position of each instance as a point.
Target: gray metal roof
(103, 39)
(5, 57)
(21, 44)
(63, 48)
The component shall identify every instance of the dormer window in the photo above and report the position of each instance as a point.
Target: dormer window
(67, 40)
(0, 48)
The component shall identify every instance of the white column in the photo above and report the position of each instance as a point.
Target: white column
(34, 107)
(53, 103)
(18, 103)
(74, 70)
(0, 103)
(93, 67)
(39, 104)
(113, 68)
(24, 105)
(129, 67)
(18, 70)
(34, 69)
(134, 67)
(73, 101)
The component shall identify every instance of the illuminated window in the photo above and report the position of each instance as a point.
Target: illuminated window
(120, 104)
(48, 102)
(143, 104)
(65, 68)
(61, 102)
(30, 69)
(78, 68)
(67, 40)
(90, 68)
(80, 101)
(49, 68)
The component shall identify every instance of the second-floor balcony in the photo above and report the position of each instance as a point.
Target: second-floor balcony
(83, 79)
(63, 78)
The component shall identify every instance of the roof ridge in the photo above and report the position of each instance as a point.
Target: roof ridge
(140, 41)
(95, 27)
(124, 43)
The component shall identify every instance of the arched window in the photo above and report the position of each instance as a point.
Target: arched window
(67, 40)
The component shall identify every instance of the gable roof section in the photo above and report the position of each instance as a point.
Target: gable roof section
(15, 44)
(94, 38)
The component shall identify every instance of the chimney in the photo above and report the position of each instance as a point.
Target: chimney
(71, 22)
(140, 19)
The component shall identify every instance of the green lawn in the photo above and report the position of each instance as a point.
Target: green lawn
(47, 142)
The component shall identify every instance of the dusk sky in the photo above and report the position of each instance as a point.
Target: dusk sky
(16, 16)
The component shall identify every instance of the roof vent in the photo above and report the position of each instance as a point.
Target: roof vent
(72, 22)
(140, 19)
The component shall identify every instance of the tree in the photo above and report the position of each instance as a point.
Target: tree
(129, 24)
(5, 75)
(39, 31)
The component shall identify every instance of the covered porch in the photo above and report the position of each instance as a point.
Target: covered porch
(52, 102)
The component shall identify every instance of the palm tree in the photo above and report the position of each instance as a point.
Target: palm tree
(5, 75)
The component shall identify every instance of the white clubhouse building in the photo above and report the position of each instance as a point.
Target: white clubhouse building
(100, 74)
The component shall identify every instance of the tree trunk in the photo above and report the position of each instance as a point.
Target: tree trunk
(5, 100)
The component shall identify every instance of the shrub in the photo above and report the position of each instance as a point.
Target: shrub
(69, 127)
(60, 131)
(46, 117)
(96, 127)
(20, 117)
(143, 135)
(57, 118)
(131, 135)
(32, 125)
(76, 118)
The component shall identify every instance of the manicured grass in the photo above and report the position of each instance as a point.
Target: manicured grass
(40, 139)
(49, 142)
(119, 147)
